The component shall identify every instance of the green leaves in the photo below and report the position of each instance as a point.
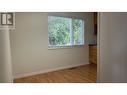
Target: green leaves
(60, 29)
(77, 29)
(59, 32)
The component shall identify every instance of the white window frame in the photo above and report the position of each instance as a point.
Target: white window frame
(72, 45)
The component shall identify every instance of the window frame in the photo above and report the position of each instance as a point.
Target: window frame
(71, 36)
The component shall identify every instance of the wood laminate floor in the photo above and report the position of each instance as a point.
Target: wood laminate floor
(81, 74)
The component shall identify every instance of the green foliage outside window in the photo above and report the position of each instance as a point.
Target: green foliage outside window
(59, 31)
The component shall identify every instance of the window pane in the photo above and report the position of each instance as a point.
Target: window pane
(59, 31)
(77, 25)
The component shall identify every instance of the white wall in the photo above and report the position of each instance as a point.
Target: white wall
(5, 57)
(113, 47)
(29, 45)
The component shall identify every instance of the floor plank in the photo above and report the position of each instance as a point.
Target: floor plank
(81, 74)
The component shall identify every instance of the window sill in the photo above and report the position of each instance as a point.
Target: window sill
(64, 47)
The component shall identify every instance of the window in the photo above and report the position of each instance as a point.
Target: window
(64, 31)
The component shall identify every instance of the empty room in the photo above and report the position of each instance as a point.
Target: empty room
(51, 47)
(63, 47)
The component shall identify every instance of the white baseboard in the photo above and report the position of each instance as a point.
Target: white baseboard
(46, 71)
